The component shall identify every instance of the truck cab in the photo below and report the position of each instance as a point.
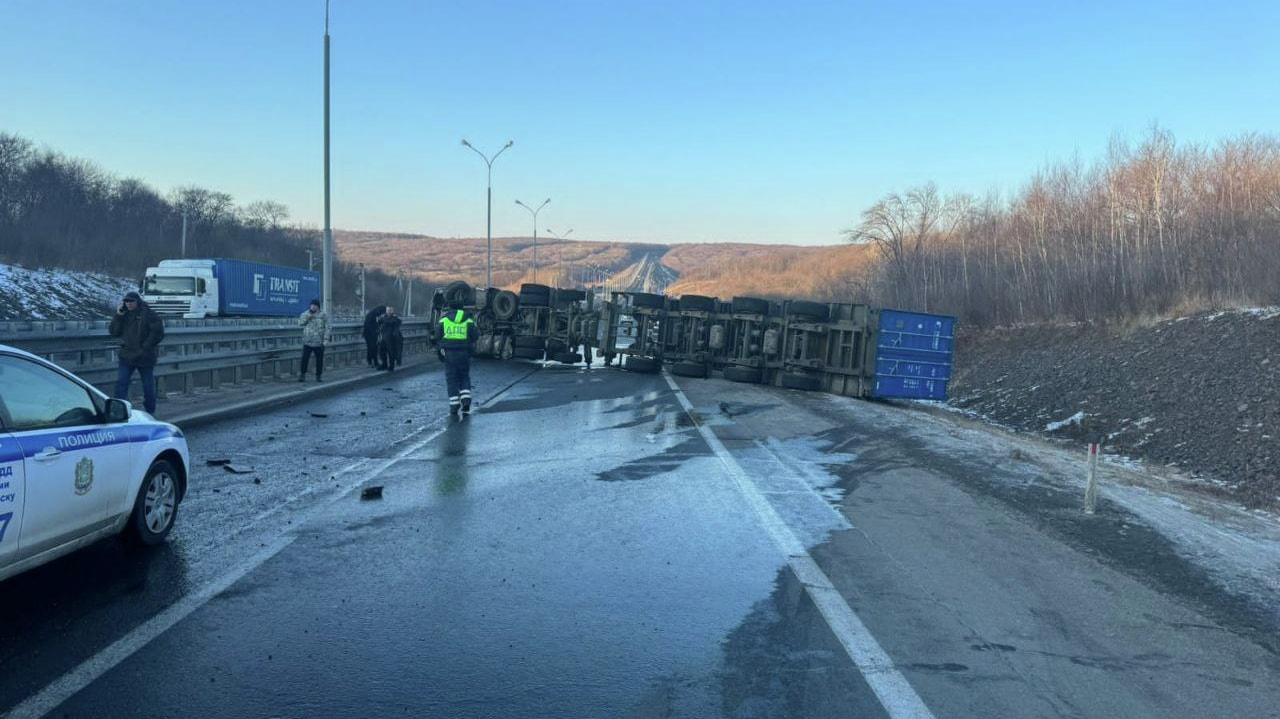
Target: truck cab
(182, 288)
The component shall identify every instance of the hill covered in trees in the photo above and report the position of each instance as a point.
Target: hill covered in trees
(58, 212)
(1151, 229)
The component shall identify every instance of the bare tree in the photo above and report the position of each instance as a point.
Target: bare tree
(264, 214)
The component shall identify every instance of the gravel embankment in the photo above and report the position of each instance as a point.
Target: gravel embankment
(1200, 393)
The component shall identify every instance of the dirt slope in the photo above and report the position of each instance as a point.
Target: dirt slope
(1200, 393)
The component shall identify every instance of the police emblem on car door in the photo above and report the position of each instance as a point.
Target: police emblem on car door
(84, 476)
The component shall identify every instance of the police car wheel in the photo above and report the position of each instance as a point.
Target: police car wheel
(156, 507)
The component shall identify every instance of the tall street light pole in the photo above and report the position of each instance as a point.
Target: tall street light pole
(535, 233)
(560, 254)
(328, 229)
(488, 232)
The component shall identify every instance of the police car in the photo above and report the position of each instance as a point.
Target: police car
(76, 466)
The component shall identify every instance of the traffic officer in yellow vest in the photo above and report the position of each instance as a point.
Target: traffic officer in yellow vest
(457, 335)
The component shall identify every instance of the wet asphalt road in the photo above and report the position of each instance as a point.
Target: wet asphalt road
(579, 548)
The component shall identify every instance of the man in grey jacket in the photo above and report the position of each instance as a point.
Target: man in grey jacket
(315, 329)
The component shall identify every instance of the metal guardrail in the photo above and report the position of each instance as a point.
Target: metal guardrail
(201, 353)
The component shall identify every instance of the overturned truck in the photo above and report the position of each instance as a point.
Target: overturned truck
(844, 348)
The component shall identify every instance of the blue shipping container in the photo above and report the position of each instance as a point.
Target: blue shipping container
(914, 353)
(253, 288)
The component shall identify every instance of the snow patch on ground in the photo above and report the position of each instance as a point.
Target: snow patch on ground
(1074, 419)
(42, 294)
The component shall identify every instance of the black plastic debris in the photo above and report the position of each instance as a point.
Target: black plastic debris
(374, 492)
(237, 470)
(318, 414)
(217, 462)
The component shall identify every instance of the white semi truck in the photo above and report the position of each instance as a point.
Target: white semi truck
(227, 288)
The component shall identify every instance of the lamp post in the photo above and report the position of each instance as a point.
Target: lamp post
(488, 232)
(362, 289)
(327, 256)
(560, 254)
(535, 233)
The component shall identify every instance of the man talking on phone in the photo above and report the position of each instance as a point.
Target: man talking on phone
(140, 331)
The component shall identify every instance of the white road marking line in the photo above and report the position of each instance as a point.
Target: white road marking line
(891, 688)
(91, 669)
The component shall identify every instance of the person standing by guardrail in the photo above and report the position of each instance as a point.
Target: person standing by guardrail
(140, 331)
(457, 335)
(390, 340)
(315, 328)
(371, 334)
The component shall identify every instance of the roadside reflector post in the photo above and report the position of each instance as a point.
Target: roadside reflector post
(1091, 485)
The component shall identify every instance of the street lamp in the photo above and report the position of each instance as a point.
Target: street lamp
(535, 233)
(560, 253)
(326, 261)
(488, 232)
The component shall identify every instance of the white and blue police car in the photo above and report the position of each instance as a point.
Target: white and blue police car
(76, 466)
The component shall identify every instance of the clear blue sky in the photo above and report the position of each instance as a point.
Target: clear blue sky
(651, 121)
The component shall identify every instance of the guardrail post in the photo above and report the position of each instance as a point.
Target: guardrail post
(1091, 484)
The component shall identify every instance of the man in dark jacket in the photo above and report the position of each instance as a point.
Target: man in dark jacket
(371, 334)
(140, 330)
(456, 335)
(390, 340)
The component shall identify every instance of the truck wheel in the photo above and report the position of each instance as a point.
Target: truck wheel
(689, 369)
(807, 382)
(697, 303)
(734, 373)
(642, 364)
(531, 298)
(805, 309)
(459, 291)
(646, 299)
(750, 306)
(505, 305)
(570, 296)
(529, 353)
(156, 508)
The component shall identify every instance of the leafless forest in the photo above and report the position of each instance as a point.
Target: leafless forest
(68, 213)
(1151, 229)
